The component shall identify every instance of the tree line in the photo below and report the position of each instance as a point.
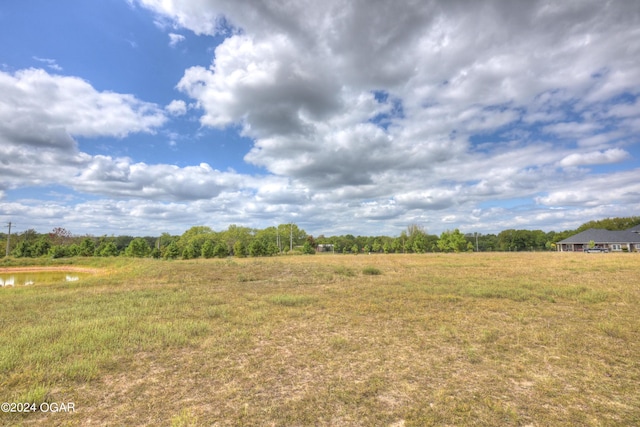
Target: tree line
(238, 241)
(198, 241)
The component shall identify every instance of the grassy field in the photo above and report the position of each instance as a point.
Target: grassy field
(521, 339)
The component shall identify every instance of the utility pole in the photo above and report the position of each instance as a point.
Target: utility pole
(8, 239)
(290, 237)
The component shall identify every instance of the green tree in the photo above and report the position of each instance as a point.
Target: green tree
(122, 242)
(190, 251)
(22, 250)
(613, 224)
(256, 248)
(268, 237)
(41, 247)
(397, 245)
(234, 234)
(272, 249)
(510, 240)
(488, 242)
(59, 251)
(74, 250)
(308, 249)
(195, 233)
(419, 243)
(29, 235)
(171, 251)
(87, 247)
(109, 249)
(195, 237)
(415, 238)
(221, 250)
(452, 241)
(239, 249)
(164, 240)
(208, 249)
(138, 248)
(522, 240)
(291, 235)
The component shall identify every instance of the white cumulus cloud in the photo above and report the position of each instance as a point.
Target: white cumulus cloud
(177, 107)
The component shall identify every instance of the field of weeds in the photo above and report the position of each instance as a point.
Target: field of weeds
(521, 339)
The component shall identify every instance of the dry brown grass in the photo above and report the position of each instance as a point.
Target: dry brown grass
(470, 339)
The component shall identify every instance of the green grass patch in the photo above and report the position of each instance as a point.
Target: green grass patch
(344, 271)
(371, 271)
(34, 395)
(186, 418)
(288, 300)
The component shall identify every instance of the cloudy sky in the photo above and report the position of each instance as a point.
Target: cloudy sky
(362, 116)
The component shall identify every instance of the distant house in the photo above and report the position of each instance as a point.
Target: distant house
(327, 247)
(615, 241)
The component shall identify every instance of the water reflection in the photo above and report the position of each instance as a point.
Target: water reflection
(9, 281)
(31, 278)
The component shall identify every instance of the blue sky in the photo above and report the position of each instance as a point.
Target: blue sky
(147, 116)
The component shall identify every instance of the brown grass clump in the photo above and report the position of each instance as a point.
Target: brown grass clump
(466, 339)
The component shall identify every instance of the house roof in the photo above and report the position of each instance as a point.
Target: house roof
(603, 236)
(635, 229)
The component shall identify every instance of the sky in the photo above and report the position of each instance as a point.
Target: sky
(141, 117)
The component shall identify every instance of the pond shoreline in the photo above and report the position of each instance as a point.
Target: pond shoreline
(35, 269)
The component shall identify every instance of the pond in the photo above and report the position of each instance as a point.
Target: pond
(23, 278)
